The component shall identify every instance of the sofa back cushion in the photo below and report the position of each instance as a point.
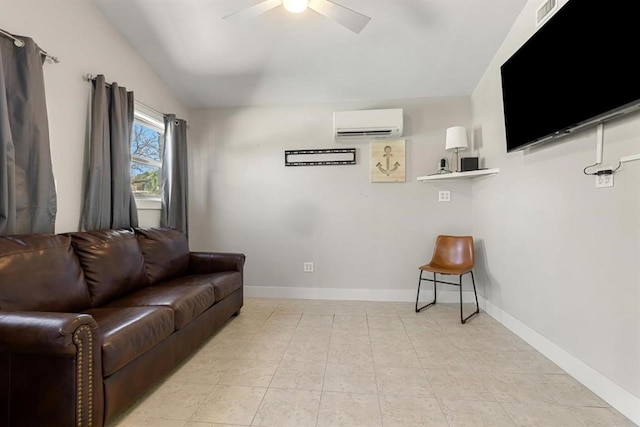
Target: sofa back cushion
(112, 262)
(40, 272)
(166, 253)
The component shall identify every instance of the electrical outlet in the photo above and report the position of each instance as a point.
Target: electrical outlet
(444, 196)
(307, 267)
(604, 180)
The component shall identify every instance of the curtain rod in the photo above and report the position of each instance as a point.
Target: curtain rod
(20, 43)
(91, 77)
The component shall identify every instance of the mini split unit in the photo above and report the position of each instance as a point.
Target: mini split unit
(367, 124)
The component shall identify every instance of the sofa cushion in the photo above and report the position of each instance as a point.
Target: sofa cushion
(40, 272)
(224, 283)
(112, 262)
(187, 302)
(127, 332)
(166, 253)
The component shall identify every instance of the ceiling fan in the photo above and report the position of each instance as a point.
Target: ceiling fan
(346, 17)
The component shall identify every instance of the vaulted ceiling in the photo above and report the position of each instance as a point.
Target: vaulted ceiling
(409, 49)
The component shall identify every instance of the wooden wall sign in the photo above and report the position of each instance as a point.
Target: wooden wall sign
(388, 161)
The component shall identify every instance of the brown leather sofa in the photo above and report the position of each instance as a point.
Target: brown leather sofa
(91, 320)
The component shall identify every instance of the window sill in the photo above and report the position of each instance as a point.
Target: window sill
(149, 204)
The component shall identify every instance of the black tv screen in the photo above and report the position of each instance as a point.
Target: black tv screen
(579, 69)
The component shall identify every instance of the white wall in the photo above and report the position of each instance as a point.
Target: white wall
(86, 43)
(560, 255)
(360, 235)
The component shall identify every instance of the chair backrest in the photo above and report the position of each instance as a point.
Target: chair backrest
(453, 252)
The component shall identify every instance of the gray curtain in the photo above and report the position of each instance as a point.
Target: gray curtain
(108, 200)
(175, 195)
(27, 191)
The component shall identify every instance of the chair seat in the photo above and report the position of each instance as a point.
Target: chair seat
(435, 268)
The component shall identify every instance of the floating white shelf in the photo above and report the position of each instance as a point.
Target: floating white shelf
(459, 175)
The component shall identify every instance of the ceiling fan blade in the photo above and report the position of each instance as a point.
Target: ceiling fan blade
(344, 16)
(253, 11)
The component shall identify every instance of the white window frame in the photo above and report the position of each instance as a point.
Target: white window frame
(154, 120)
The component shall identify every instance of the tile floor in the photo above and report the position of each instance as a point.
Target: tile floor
(308, 363)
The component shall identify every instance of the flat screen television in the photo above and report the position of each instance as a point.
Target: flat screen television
(579, 69)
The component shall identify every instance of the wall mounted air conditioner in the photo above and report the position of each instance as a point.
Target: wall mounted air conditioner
(367, 124)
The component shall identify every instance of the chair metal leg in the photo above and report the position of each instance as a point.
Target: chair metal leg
(418, 309)
(462, 318)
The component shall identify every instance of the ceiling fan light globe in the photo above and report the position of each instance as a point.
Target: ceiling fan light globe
(295, 6)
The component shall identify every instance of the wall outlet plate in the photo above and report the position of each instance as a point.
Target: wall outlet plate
(603, 181)
(444, 196)
(307, 267)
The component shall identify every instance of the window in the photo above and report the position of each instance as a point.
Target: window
(146, 154)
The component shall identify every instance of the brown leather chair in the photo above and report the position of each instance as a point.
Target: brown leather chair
(452, 255)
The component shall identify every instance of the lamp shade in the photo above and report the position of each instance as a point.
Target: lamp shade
(456, 138)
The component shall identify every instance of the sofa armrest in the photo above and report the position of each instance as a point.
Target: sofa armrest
(53, 359)
(214, 262)
(41, 332)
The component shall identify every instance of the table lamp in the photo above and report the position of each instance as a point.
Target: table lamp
(456, 140)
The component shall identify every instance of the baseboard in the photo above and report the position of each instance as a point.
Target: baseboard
(394, 295)
(619, 398)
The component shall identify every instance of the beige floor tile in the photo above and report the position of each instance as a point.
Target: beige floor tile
(276, 333)
(254, 373)
(351, 322)
(309, 333)
(138, 420)
(511, 361)
(173, 400)
(359, 363)
(517, 388)
(260, 304)
(403, 381)
(320, 307)
(290, 307)
(200, 424)
(299, 375)
(224, 348)
(389, 337)
(385, 309)
(262, 348)
(480, 341)
(316, 321)
(411, 411)
(230, 405)
(525, 415)
(468, 413)
(347, 337)
(307, 351)
(349, 378)
(600, 417)
(288, 408)
(439, 352)
(283, 320)
(395, 356)
(393, 324)
(419, 324)
(350, 308)
(569, 392)
(202, 370)
(349, 410)
(457, 382)
(355, 353)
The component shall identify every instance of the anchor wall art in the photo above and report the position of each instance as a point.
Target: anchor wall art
(388, 161)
